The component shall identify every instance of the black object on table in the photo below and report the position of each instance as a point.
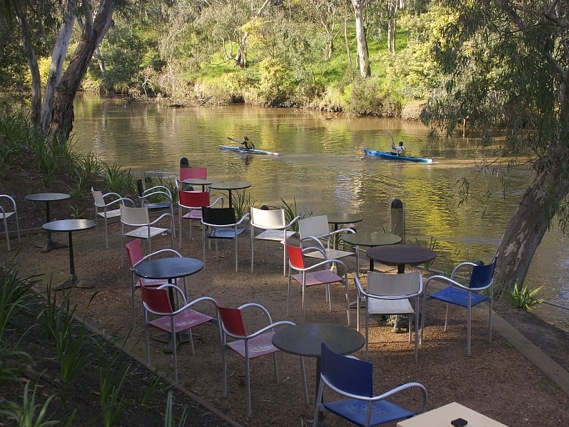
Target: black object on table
(230, 186)
(69, 226)
(170, 268)
(306, 340)
(47, 198)
(400, 255)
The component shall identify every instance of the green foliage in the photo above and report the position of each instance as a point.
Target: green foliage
(11, 362)
(111, 380)
(13, 296)
(432, 245)
(118, 180)
(169, 413)
(525, 297)
(366, 96)
(241, 202)
(26, 414)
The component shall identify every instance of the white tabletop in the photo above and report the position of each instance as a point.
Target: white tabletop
(445, 414)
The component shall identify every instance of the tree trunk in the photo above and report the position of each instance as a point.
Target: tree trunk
(528, 225)
(32, 64)
(57, 59)
(363, 55)
(61, 123)
(241, 57)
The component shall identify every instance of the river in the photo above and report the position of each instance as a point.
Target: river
(322, 168)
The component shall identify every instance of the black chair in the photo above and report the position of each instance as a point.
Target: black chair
(220, 223)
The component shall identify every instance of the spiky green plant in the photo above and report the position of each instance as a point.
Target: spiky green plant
(169, 414)
(525, 297)
(13, 295)
(110, 385)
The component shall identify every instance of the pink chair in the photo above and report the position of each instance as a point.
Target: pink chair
(173, 321)
(193, 202)
(186, 173)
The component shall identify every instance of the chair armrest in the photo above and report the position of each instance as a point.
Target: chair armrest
(399, 389)
(243, 218)
(256, 305)
(197, 301)
(216, 201)
(5, 196)
(160, 218)
(460, 266)
(295, 219)
(447, 280)
(270, 327)
(161, 251)
(118, 200)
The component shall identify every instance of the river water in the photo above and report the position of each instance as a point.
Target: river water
(323, 169)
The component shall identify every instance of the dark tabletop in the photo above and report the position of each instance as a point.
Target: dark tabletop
(343, 218)
(401, 254)
(69, 225)
(201, 181)
(373, 238)
(168, 268)
(305, 339)
(230, 185)
(47, 197)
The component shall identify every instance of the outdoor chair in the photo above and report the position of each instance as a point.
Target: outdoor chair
(353, 380)
(107, 207)
(6, 211)
(192, 201)
(135, 257)
(388, 295)
(249, 345)
(275, 228)
(479, 289)
(221, 223)
(157, 197)
(319, 274)
(138, 222)
(157, 302)
(316, 227)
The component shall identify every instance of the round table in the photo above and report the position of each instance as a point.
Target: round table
(306, 340)
(400, 255)
(230, 186)
(69, 226)
(204, 182)
(370, 239)
(47, 198)
(343, 218)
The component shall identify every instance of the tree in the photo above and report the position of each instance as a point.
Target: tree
(363, 55)
(53, 114)
(508, 67)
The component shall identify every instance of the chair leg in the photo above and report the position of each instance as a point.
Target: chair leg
(248, 385)
(468, 329)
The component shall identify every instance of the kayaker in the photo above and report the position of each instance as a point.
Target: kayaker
(400, 149)
(247, 143)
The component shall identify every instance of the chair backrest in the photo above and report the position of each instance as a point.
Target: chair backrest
(313, 226)
(194, 199)
(393, 284)
(345, 373)
(156, 299)
(98, 197)
(232, 321)
(218, 216)
(482, 275)
(134, 251)
(186, 173)
(295, 256)
(134, 216)
(268, 218)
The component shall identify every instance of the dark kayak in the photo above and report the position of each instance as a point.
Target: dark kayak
(387, 155)
(242, 150)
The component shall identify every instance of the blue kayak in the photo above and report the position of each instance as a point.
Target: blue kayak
(387, 155)
(242, 150)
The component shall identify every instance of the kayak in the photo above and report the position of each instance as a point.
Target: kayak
(387, 155)
(242, 150)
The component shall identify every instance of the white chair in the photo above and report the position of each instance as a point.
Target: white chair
(158, 197)
(388, 294)
(7, 212)
(316, 227)
(275, 228)
(107, 207)
(143, 228)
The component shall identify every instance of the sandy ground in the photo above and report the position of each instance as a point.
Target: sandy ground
(496, 381)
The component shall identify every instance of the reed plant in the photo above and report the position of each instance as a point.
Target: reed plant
(169, 420)
(242, 203)
(525, 297)
(14, 296)
(11, 363)
(30, 413)
(110, 385)
(118, 180)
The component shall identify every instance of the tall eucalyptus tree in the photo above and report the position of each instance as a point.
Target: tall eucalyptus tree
(508, 62)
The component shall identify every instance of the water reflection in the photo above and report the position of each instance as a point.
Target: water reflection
(322, 167)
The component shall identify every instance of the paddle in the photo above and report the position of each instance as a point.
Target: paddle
(233, 139)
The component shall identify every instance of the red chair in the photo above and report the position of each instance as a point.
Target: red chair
(316, 274)
(135, 257)
(186, 173)
(173, 321)
(249, 345)
(193, 202)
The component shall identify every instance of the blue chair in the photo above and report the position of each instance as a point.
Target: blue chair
(353, 379)
(479, 289)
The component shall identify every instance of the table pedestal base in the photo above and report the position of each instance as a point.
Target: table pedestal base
(72, 282)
